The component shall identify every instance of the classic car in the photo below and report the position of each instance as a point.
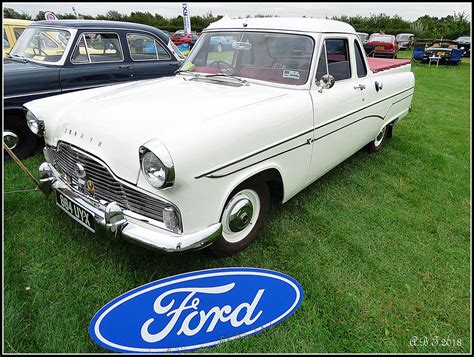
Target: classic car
(447, 51)
(12, 30)
(464, 43)
(294, 98)
(185, 38)
(54, 57)
(222, 43)
(405, 40)
(384, 45)
(364, 37)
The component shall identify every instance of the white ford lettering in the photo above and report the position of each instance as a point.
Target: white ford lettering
(219, 314)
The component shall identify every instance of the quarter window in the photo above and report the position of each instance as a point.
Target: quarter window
(322, 68)
(97, 48)
(337, 54)
(360, 63)
(145, 48)
(18, 31)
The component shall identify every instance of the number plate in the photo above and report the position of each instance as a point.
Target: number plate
(440, 53)
(379, 47)
(78, 213)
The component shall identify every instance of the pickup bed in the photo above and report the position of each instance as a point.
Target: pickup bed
(382, 64)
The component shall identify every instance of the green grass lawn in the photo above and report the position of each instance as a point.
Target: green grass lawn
(381, 246)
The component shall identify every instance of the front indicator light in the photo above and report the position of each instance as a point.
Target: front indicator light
(171, 220)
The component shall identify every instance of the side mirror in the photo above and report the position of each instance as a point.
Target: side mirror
(327, 81)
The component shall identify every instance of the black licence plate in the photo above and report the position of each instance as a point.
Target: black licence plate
(84, 217)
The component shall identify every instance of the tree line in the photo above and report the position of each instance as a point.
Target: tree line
(448, 27)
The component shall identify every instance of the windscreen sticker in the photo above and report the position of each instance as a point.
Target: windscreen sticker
(291, 74)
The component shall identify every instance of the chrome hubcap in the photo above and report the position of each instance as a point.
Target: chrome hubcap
(10, 139)
(240, 215)
(379, 138)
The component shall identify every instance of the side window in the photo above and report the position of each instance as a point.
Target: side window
(18, 31)
(322, 68)
(97, 48)
(337, 53)
(145, 48)
(360, 63)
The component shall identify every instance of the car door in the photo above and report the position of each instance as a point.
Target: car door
(342, 123)
(97, 59)
(150, 57)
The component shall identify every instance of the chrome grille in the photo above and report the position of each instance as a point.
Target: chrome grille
(106, 186)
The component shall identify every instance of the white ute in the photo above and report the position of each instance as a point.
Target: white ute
(261, 107)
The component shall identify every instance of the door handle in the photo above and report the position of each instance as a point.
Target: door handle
(126, 66)
(360, 86)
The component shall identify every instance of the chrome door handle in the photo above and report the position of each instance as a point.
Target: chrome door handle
(127, 66)
(360, 86)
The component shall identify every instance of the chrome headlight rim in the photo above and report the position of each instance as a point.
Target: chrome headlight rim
(34, 124)
(159, 151)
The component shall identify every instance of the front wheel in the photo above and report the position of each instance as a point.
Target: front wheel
(379, 140)
(244, 215)
(18, 137)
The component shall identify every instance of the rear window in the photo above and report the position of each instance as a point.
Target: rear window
(378, 38)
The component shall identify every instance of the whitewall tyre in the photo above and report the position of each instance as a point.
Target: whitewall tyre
(244, 214)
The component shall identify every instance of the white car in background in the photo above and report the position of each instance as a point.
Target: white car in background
(290, 100)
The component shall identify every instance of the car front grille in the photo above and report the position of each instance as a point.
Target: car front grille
(107, 188)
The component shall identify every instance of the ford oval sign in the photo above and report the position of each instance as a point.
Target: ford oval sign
(195, 310)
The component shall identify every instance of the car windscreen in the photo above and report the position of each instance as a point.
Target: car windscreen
(41, 44)
(273, 57)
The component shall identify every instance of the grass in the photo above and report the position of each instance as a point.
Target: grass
(381, 246)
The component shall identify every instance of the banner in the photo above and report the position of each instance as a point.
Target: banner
(186, 18)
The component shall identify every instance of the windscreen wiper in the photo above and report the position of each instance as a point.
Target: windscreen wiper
(224, 75)
(22, 58)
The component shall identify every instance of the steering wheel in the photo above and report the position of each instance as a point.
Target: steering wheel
(40, 52)
(223, 65)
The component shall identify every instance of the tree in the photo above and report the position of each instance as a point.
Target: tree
(12, 14)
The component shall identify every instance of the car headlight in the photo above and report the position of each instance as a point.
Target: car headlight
(35, 125)
(157, 165)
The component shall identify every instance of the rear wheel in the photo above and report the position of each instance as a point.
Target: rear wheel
(18, 137)
(244, 215)
(379, 140)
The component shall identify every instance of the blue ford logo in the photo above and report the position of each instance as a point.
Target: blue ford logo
(195, 310)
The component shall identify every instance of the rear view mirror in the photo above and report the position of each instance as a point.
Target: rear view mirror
(327, 81)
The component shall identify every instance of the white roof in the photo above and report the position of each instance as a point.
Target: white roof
(302, 24)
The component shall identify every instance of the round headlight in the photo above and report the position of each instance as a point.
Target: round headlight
(35, 125)
(153, 169)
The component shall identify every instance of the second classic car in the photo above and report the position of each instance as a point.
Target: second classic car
(292, 99)
(383, 45)
(54, 57)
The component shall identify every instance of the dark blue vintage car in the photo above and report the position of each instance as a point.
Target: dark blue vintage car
(54, 57)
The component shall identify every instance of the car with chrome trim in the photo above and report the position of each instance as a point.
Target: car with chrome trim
(53, 57)
(292, 99)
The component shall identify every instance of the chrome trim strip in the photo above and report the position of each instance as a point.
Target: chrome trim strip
(32, 93)
(208, 173)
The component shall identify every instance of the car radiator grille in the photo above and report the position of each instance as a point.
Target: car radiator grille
(106, 186)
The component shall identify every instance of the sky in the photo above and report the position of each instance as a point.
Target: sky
(408, 11)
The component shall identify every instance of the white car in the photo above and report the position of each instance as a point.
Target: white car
(191, 161)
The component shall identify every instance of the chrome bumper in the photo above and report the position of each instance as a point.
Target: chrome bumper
(131, 227)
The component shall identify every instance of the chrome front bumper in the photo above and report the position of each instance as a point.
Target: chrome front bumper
(133, 227)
